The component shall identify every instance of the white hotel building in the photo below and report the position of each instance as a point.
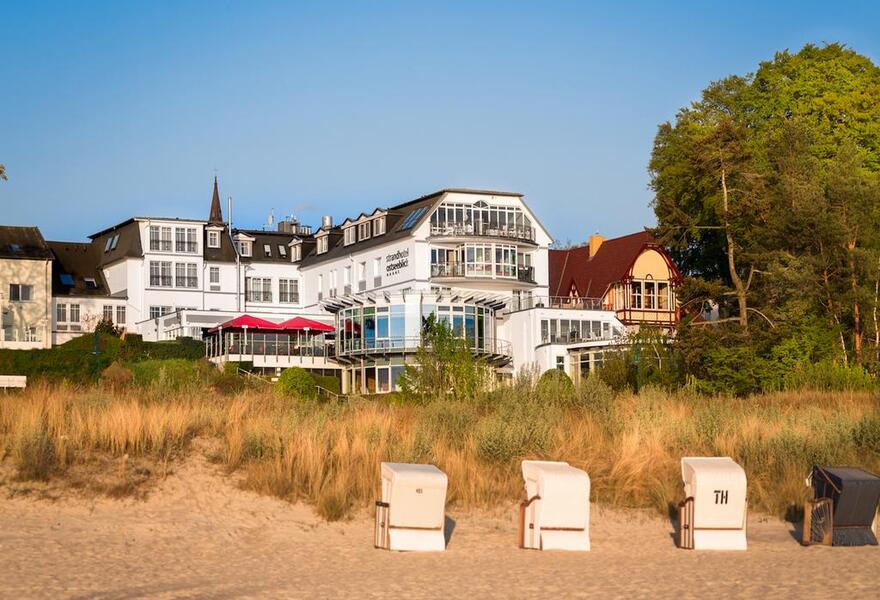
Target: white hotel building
(477, 259)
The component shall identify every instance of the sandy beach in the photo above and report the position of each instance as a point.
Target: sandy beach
(198, 536)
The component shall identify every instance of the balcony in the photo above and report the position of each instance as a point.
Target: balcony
(493, 349)
(575, 337)
(457, 230)
(563, 302)
(526, 274)
(484, 271)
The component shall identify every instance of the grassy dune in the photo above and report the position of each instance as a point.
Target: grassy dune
(328, 455)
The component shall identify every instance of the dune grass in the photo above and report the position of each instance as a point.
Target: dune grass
(329, 454)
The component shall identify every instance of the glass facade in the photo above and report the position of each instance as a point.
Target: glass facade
(481, 219)
(365, 329)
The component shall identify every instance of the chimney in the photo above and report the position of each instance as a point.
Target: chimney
(327, 222)
(595, 243)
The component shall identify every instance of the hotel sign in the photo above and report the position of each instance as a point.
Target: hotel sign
(396, 262)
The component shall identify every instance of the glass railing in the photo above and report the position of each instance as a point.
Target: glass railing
(358, 347)
(483, 230)
(564, 302)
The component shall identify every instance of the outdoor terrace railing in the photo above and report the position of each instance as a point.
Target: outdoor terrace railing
(268, 344)
(484, 270)
(564, 302)
(361, 347)
(483, 230)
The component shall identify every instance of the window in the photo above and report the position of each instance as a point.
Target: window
(160, 273)
(333, 283)
(67, 280)
(213, 239)
(282, 251)
(377, 274)
(74, 313)
(90, 282)
(322, 244)
(560, 363)
(267, 249)
(288, 291)
(663, 296)
(185, 239)
(636, 294)
(19, 292)
(61, 313)
(120, 315)
(214, 275)
(114, 242)
(244, 248)
(650, 295)
(378, 226)
(505, 261)
(296, 253)
(320, 286)
(349, 238)
(108, 313)
(186, 275)
(160, 238)
(259, 289)
(158, 311)
(107, 244)
(364, 231)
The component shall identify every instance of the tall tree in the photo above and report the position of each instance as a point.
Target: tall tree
(769, 183)
(2, 172)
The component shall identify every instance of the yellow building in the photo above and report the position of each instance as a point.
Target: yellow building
(25, 289)
(631, 275)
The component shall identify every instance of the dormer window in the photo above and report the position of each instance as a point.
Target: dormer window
(213, 239)
(349, 236)
(282, 251)
(268, 250)
(378, 226)
(364, 231)
(90, 283)
(322, 244)
(296, 252)
(244, 248)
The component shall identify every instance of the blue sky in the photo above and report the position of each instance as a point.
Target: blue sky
(110, 110)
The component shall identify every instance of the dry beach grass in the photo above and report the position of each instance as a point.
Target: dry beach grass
(122, 442)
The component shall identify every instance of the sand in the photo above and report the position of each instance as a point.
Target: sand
(198, 536)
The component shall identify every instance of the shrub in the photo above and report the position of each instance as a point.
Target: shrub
(866, 433)
(329, 382)
(116, 377)
(555, 385)
(829, 376)
(297, 382)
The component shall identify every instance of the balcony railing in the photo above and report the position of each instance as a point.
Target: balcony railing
(259, 296)
(361, 347)
(526, 274)
(576, 337)
(483, 230)
(267, 344)
(485, 270)
(564, 302)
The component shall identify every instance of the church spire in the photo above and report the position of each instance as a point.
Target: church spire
(216, 217)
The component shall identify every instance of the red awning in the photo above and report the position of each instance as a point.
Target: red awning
(247, 322)
(303, 324)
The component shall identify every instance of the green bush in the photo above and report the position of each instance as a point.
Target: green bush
(828, 376)
(297, 382)
(555, 385)
(329, 382)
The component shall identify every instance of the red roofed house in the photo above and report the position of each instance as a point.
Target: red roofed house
(631, 275)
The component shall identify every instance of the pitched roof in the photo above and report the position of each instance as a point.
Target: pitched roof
(76, 270)
(23, 243)
(216, 216)
(591, 277)
(273, 239)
